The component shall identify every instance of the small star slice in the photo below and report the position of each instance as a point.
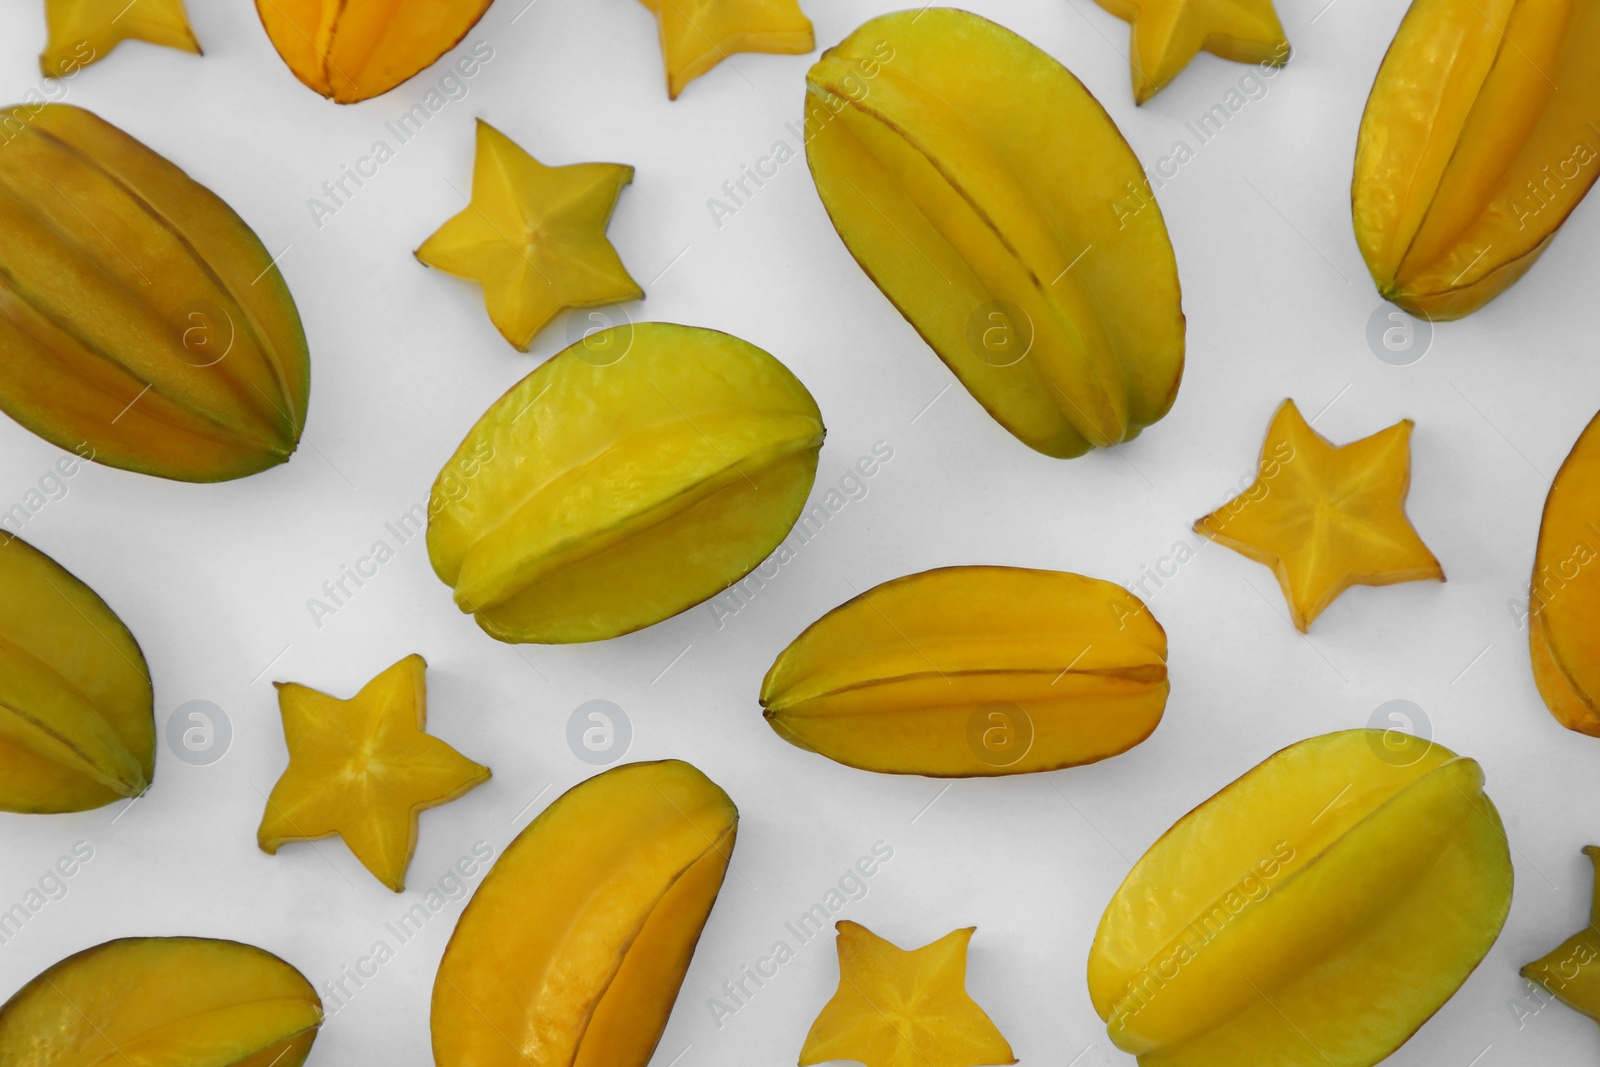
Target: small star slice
(1326, 517)
(903, 1009)
(364, 769)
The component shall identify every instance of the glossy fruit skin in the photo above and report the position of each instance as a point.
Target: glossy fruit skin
(76, 706)
(571, 952)
(142, 323)
(973, 672)
(1474, 147)
(353, 50)
(1318, 910)
(163, 1000)
(994, 202)
(1564, 593)
(637, 473)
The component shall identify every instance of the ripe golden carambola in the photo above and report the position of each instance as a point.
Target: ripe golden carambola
(352, 50)
(571, 952)
(973, 671)
(1476, 144)
(995, 203)
(162, 1000)
(1564, 595)
(1314, 913)
(142, 323)
(639, 472)
(76, 726)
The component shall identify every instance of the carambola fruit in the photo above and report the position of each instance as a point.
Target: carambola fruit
(364, 769)
(1167, 34)
(896, 1008)
(696, 35)
(971, 671)
(1325, 517)
(166, 1001)
(633, 475)
(571, 952)
(534, 237)
(75, 701)
(995, 203)
(1564, 594)
(142, 323)
(1567, 971)
(1476, 144)
(1314, 913)
(83, 31)
(352, 50)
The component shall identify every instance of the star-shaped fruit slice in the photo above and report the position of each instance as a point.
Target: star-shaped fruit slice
(534, 237)
(82, 31)
(1168, 33)
(364, 768)
(1572, 972)
(903, 1009)
(1326, 517)
(696, 35)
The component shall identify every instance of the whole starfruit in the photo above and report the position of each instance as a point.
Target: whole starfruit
(995, 203)
(635, 474)
(1476, 144)
(76, 726)
(142, 323)
(573, 949)
(353, 50)
(1564, 594)
(1314, 913)
(973, 671)
(162, 1000)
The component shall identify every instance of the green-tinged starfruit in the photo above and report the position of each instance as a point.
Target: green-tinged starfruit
(639, 472)
(76, 726)
(1314, 913)
(141, 321)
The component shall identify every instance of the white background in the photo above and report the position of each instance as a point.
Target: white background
(214, 579)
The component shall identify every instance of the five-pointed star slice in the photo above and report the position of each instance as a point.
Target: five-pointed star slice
(82, 31)
(1168, 33)
(696, 35)
(1326, 517)
(903, 1009)
(534, 237)
(363, 769)
(1572, 971)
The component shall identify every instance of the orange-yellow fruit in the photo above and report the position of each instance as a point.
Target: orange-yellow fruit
(973, 671)
(571, 952)
(352, 50)
(1476, 145)
(1564, 596)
